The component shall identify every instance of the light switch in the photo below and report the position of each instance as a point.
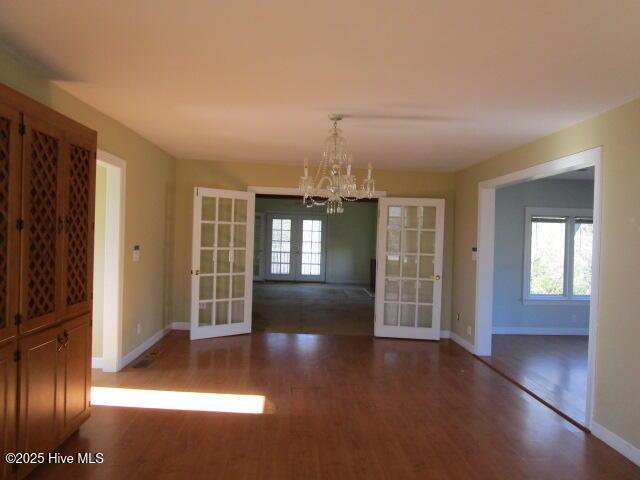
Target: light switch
(136, 253)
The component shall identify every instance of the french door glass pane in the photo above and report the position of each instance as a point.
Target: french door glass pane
(311, 247)
(239, 210)
(547, 257)
(280, 246)
(206, 261)
(408, 315)
(222, 287)
(225, 207)
(391, 314)
(237, 311)
(204, 314)
(425, 316)
(208, 235)
(425, 291)
(223, 263)
(240, 236)
(239, 260)
(224, 235)
(582, 248)
(428, 217)
(209, 209)
(206, 287)
(392, 290)
(222, 313)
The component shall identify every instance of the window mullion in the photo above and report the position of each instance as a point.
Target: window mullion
(569, 258)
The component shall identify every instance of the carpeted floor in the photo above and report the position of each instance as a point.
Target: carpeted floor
(318, 308)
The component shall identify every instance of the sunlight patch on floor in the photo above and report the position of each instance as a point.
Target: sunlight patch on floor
(168, 400)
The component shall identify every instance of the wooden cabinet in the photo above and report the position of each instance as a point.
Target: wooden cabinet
(40, 392)
(47, 190)
(8, 376)
(75, 370)
(10, 163)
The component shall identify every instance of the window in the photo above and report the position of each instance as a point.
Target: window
(558, 246)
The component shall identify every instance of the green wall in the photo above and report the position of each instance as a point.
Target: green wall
(351, 236)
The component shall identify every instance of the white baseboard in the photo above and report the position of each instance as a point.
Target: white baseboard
(140, 349)
(180, 326)
(96, 362)
(617, 443)
(539, 331)
(462, 342)
(445, 334)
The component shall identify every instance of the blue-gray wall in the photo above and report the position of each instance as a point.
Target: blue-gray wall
(508, 309)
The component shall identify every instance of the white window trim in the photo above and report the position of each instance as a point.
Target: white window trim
(567, 298)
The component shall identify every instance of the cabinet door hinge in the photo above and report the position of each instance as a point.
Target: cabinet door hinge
(20, 224)
(18, 318)
(16, 356)
(22, 129)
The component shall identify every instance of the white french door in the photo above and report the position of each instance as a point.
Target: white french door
(296, 245)
(222, 259)
(409, 268)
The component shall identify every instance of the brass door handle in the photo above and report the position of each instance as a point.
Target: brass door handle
(195, 272)
(435, 277)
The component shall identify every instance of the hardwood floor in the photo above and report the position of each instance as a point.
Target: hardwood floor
(338, 407)
(328, 309)
(554, 368)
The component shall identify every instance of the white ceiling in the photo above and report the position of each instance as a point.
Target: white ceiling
(433, 84)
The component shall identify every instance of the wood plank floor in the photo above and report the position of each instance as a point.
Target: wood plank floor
(553, 367)
(338, 407)
(320, 308)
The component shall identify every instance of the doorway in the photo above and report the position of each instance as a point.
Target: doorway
(108, 262)
(296, 247)
(542, 339)
(317, 268)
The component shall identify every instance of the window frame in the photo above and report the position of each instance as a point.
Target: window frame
(567, 297)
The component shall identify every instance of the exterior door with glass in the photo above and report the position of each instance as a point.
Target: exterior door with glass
(297, 245)
(409, 268)
(222, 260)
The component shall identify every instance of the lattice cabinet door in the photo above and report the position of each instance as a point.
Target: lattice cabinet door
(42, 210)
(79, 185)
(10, 160)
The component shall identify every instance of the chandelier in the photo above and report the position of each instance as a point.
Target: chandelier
(333, 182)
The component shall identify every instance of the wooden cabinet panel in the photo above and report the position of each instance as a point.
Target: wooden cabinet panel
(41, 385)
(75, 363)
(10, 161)
(8, 373)
(79, 226)
(42, 248)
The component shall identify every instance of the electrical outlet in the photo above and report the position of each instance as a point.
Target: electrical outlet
(468, 329)
(138, 328)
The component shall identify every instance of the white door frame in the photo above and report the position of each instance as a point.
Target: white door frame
(113, 293)
(485, 255)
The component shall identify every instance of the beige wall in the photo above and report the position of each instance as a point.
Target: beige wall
(237, 176)
(150, 176)
(617, 400)
(98, 259)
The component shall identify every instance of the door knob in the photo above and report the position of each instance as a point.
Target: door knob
(195, 272)
(435, 277)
